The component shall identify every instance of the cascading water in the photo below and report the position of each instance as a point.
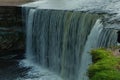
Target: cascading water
(29, 36)
(91, 43)
(59, 40)
(107, 38)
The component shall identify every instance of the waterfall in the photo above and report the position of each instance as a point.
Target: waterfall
(91, 43)
(59, 41)
(107, 38)
(56, 38)
(98, 37)
(29, 36)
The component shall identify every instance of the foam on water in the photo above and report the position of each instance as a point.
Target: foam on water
(36, 72)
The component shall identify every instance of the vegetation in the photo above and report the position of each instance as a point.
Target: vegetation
(105, 65)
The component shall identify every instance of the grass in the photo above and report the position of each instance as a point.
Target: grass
(105, 65)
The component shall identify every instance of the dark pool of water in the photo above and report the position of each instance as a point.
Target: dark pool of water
(9, 67)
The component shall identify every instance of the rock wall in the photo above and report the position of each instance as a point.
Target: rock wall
(12, 36)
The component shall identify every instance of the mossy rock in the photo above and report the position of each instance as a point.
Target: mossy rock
(105, 66)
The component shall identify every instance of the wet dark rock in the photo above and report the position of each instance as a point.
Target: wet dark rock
(12, 54)
(10, 16)
(12, 37)
(118, 38)
(11, 40)
(11, 45)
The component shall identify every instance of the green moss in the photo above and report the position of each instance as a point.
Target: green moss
(107, 75)
(99, 54)
(105, 66)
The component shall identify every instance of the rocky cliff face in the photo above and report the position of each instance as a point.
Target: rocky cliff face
(11, 29)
